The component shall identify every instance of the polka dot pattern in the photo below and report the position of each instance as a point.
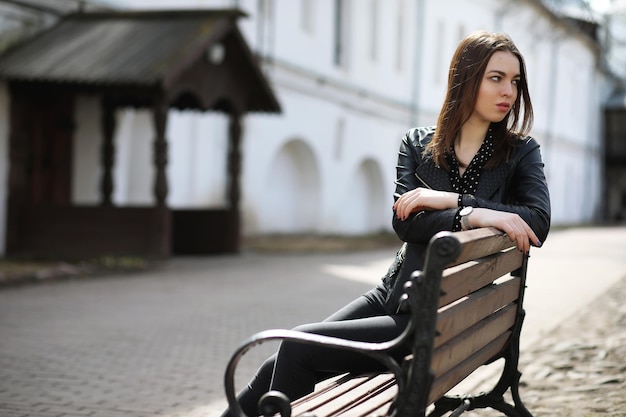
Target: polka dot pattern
(468, 183)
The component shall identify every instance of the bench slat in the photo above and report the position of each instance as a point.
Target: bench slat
(456, 317)
(377, 403)
(336, 400)
(364, 392)
(328, 390)
(473, 339)
(380, 411)
(461, 280)
(479, 243)
(447, 381)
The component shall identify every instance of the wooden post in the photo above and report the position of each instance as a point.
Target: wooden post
(18, 162)
(160, 152)
(234, 172)
(234, 160)
(160, 243)
(107, 153)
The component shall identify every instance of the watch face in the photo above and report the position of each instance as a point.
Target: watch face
(466, 211)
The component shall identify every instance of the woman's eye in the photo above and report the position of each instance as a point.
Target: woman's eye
(516, 82)
(495, 78)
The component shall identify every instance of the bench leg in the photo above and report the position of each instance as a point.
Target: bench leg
(509, 380)
(496, 401)
(447, 404)
(458, 405)
(493, 399)
(461, 409)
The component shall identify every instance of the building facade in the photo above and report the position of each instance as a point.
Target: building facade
(351, 78)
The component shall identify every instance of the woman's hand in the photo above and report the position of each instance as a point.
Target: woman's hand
(420, 199)
(510, 223)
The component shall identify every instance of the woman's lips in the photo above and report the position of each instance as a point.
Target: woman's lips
(503, 106)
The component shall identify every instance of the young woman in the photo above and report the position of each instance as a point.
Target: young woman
(476, 168)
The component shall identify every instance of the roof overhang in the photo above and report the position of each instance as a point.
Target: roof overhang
(194, 58)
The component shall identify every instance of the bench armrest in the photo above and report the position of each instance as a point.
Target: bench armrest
(376, 351)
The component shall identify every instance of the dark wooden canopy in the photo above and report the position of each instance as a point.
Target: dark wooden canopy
(615, 156)
(194, 59)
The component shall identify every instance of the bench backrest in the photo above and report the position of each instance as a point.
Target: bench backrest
(467, 305)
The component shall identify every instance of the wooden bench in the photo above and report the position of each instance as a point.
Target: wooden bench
(466, 308)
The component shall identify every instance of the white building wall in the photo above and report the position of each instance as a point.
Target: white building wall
(340, 140)
(87, 147)
(197, 159)
(327, 163)
(338, 116)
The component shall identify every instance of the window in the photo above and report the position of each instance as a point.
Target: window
(439, 51)
(307, 15)
(341, 30)
(462, 33)
(400, 36)
(374, 30)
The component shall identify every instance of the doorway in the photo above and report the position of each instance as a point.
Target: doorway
(49, 148)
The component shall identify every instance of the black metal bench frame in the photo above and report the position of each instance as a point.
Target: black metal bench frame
(414, 377)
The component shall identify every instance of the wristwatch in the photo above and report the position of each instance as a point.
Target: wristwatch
(464, 213)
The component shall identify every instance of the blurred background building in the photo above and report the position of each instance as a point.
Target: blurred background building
(350, 78)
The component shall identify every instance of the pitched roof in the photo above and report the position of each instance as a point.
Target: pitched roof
(109, 48)
(129, 48)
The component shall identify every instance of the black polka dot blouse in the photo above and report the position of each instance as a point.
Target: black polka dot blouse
(468, 183)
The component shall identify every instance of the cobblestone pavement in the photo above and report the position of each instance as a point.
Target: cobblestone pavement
(155, 343)
(579, 369)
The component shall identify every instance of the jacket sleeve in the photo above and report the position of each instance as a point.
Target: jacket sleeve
(421, 226)
(527, 192)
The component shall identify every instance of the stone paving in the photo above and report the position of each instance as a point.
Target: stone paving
(579, 369)
(155, 343)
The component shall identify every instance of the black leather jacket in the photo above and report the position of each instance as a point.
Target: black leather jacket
(518, 186)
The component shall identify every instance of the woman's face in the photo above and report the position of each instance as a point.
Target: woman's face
(498, 88)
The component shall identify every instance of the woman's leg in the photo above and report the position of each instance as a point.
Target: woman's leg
(370, 304)
(298, 366)
(260, 384)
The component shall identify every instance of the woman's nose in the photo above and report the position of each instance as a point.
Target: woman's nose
(507, 89)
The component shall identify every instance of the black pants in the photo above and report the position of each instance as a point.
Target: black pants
(296, 368)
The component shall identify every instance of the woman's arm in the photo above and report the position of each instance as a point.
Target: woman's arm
(526, 218)
(528, 197)
(419, 211)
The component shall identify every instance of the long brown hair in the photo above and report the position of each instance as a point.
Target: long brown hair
(465, 76)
